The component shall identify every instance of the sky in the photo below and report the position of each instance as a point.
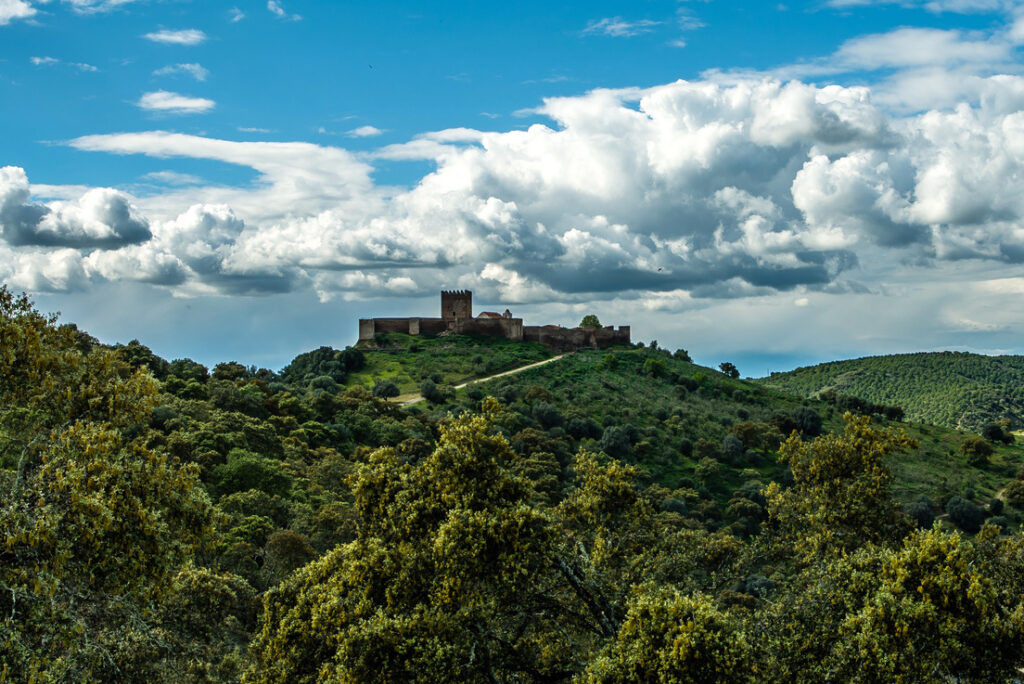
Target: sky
(771, 184)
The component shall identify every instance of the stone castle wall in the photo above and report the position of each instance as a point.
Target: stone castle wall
(565, 339)
(457, 317)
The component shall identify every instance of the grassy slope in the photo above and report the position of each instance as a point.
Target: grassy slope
(583, 384)
(408, 360)
(953, 389)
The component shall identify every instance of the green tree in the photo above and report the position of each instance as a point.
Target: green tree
(840, 497)
(590, 321)
(670, 637)
(95, 524)
(449, 579)
(729, 369)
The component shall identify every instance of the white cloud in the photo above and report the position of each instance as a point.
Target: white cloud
(182, 37)
(193, 69)
(173, 103)
(101, 217)
(278, 10)
(15, 9)
(96, 6)
(52, 61)
(671, 194)
(618, 27)
(916, 47)
(364, 132)
(236, 15)
(172, 178)
(937, 6)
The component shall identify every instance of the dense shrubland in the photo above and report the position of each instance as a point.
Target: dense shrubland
(613, 516)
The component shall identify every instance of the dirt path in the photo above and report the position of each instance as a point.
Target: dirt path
(409, 399)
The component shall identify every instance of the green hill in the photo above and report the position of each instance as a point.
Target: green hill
(953, 389)
(167, 521)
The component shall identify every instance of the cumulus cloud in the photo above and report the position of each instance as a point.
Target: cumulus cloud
(173, 103)
(236, 15)
(193, 69)
(15, 9)
(100, 218)
(364, 132)
(182, 37)
(718, 188)
(44, 61)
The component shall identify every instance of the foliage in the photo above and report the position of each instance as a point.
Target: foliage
(590, 321)
(954, 389)
(95, 524)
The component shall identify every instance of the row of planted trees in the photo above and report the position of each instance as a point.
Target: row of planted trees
(460, 562)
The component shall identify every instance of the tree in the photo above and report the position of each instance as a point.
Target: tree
(669, 637)
(449, 579)
(590, 321)
(385, 389)
(729, 369)
(965, 514)
(840, 497)
(682, 355)
(96, 523)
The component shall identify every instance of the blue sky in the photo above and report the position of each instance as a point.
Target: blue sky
(769, 183)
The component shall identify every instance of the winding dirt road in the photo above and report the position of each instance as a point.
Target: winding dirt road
(410, 399)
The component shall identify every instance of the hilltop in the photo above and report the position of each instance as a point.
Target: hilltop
(951, 389)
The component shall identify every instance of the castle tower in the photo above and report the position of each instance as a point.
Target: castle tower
(456, 304)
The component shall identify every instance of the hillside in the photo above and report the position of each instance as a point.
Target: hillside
(236, 520)
(953, 389)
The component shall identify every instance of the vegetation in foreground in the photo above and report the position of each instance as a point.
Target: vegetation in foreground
(166, 523)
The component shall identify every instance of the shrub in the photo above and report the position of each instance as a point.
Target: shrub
(964, 514)
(977, 451)
(385, 389)
(807, 420)
(1014, 493)
(615, 442)
(920, 512)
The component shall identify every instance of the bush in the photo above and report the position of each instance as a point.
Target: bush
(430, 392)
(920, 512)
(547, 415)
(385, 389)
(807, 420)
(994, 432)
(732, 449)
(707, 468)
(1014, 493)
(964, 514)
(615, 442)
(977, 451)
(673, 505)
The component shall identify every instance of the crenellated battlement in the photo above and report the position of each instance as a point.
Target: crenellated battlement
(456, 304)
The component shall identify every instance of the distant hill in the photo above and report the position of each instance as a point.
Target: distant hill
(953, 389)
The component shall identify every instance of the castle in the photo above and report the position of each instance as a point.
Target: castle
(457, 317)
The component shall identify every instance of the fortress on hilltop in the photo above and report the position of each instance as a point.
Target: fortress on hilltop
(457, 317)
